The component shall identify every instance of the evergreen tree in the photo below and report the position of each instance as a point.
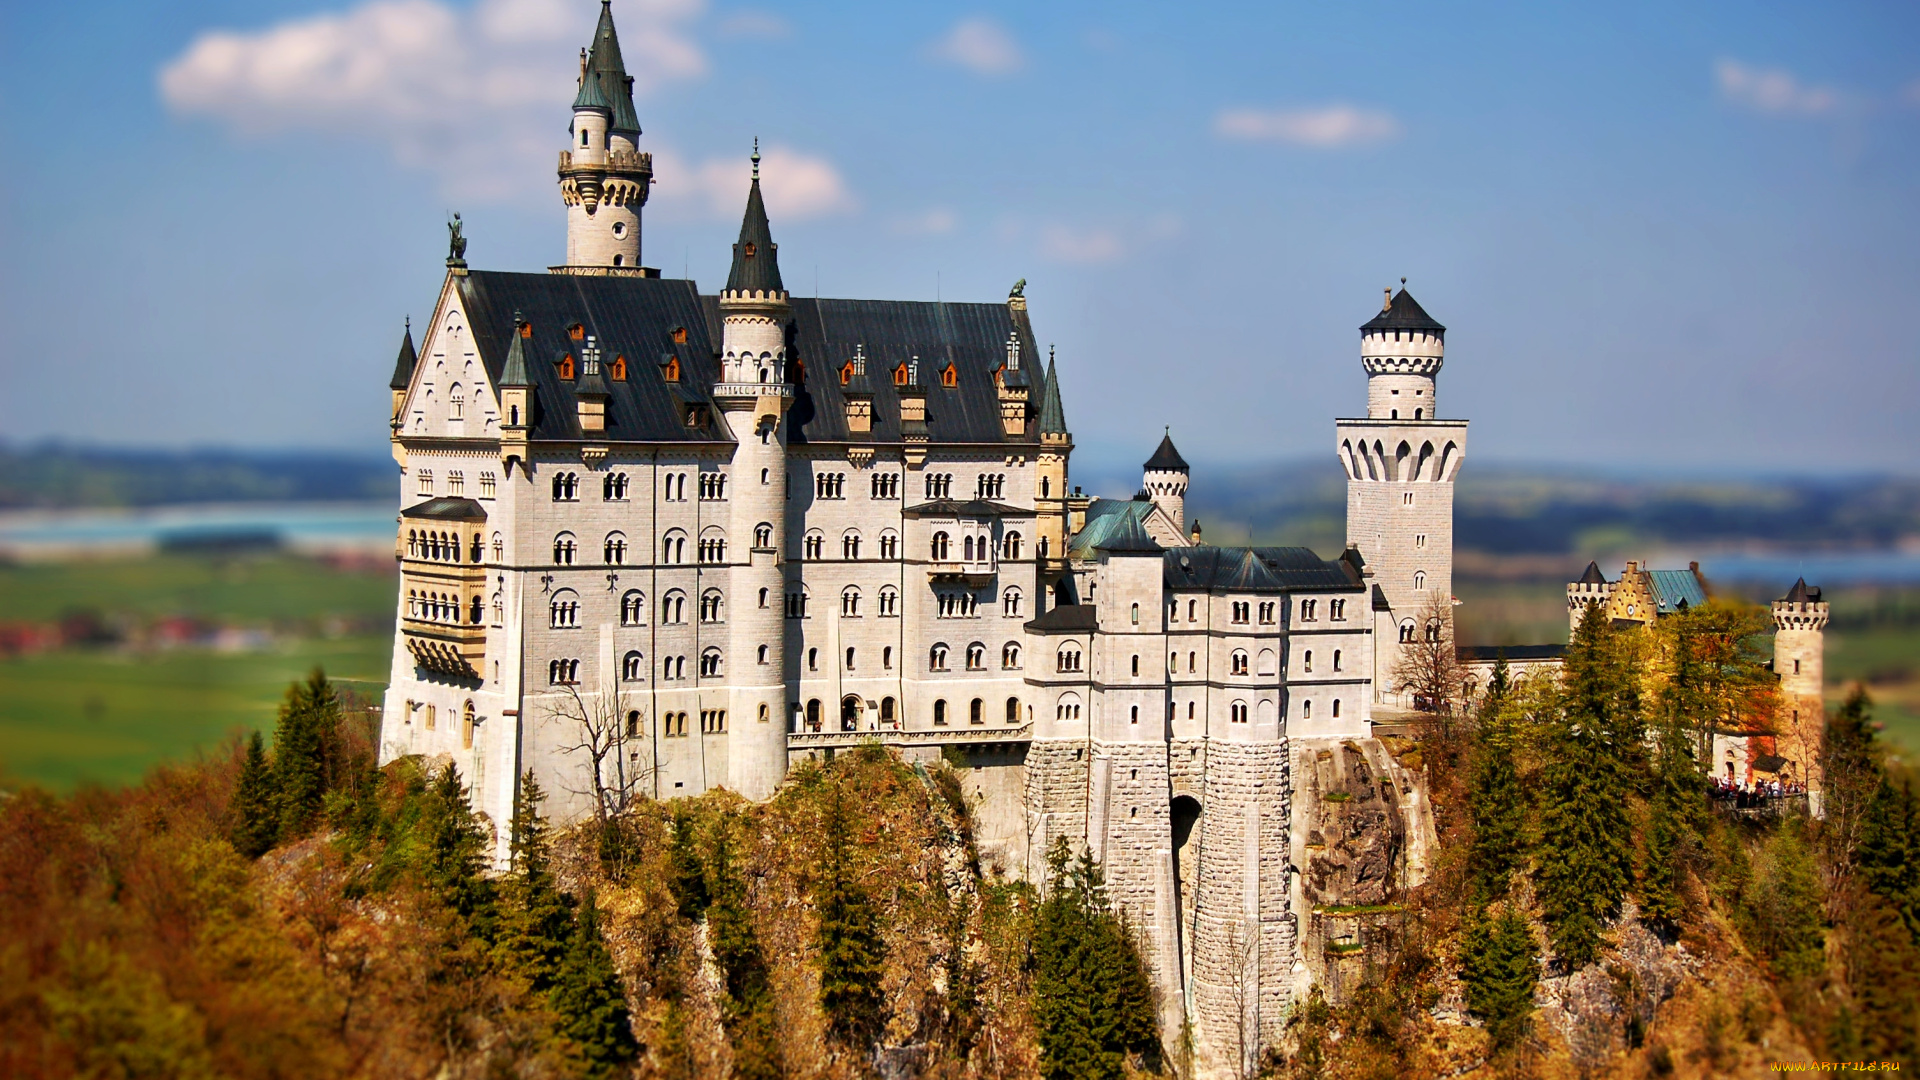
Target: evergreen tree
(747, 1010)
(1782, 910)
(1496, 802)
(256, 819)
(1850, 773)
(590, 1002)
(1889, 851)
(1500, 971)
(1586, 857)
(453, 848)
(1674, 815)
(536, 923)
(674, 1052)
(1091, 999)
(305, 746)
(852, 956)
(689, 877)
(1884, 970)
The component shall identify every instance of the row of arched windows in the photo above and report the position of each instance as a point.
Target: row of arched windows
(673, 547)
(446, 608)
(445, 547)
(976, 657)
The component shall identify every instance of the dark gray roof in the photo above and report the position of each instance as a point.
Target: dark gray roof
(447, 509)
(965, 508)
(514, 373)
(1165, 458)
(756, 258)
(605, 66)
(1403, 312)
(636, 318)
(1067, 618)
(1380, 601)
(1128, 537)
(403, 365)
(1053, 416)
(1802, 593)
(1593, 576)
(1511, 652)
(1259, 569)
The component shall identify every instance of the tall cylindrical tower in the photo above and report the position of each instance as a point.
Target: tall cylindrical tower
(1400, 461)
(1799, 651)
(753, 394)
(1165, 481)
(604, 178)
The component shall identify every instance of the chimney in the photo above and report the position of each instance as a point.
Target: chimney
(1196, 532)
(1386, 299)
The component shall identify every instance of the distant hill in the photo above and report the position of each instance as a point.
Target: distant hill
(55, 476)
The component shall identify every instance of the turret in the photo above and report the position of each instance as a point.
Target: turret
(1592, 588)
(403, 374)
(1402, 349)
(1166, 481)
(1050, 469)
(1799, 647)
(604, 179)
(753, 395)
(516, 397)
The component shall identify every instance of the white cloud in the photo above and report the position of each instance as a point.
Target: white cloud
(1772, 90)
(1062, 244)
(471, 94)
(755, 24)
(980, 45)
(935, 222)
(1326, 126)
(796, 185)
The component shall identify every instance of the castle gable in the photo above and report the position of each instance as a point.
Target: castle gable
(451, 392)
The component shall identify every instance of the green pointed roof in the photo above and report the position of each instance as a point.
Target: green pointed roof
(1053, 418)
(404, 364)
(590, 95)
(609, 71)
(514, 374)
(756, 258)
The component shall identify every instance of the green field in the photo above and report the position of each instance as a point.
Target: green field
(108, 715)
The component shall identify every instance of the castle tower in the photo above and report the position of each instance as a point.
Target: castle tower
(1050, 473)
(753, 394)
(403, 366)
(1592, 588)
(1401, 461)
(604, 178)
(1166, 481)
(1799, 646)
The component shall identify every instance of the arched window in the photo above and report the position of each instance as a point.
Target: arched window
(566, 487)
(889, 601)
(1013, 710)
(1010, 656)
(499, 549)
(1336, 659)
(564, 609)
(633, 667)
(616, 549)
(1306, 660)
(1268, 663)
(1010, 603)
(976, 657)
(850, 655)
(499, 611)
(1336, 708)
(1010, 546)
(673, 607)
(1136, 614)
(466, 725)
(966, 548)
(1433, 630)
(813, 544)
(673, 548)
(937, 658)
(763, 654)
(564, 547)
(797, 603)
(1419, 579)
(939, 547)
(710, 663)
(713, 545)
(1406, 631)
(889, 544)
(633, 608)
(1133, 714)
(613, 487)
(1068, 658)
(712, 607)
(1306, 710)
(976, 712)
(763, 536)
(850, 544)
(940, 712)
(850, 602)
(1136, 664)
(1192, 606)
(886, 658)
(1239, 662)
(1237, 712)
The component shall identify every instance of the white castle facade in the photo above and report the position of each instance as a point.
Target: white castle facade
(654, 542)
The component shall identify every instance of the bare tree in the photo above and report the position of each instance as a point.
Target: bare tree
(1428, 667)
(1243, 959)
(613, 738)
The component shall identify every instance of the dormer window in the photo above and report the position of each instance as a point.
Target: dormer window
(671, 369)
(679, 335)
(846, 373)
(617, 371)
(949, 376)
(526, 330)
(900, 375)
(749, 249)
(577, 332)
(565, 367)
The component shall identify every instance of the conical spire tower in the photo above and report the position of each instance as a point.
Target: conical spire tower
(604, 178)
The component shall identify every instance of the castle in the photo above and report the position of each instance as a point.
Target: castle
(655, 542)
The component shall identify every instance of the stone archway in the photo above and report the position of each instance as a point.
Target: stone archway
(1184, 816)
(850, 709)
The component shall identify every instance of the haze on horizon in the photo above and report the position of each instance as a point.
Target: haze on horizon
(1673, 238)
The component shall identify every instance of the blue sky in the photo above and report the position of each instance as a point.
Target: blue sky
(1680, 237)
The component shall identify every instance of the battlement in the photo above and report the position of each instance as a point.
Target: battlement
(1800, 615)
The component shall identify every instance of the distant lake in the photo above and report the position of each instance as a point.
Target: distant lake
(308, 526)
(1778, 569)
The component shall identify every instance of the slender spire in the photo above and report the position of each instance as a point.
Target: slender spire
(514, 374)
(605, 66)
(1053, 418)
(404, 364)
(756, 262)
(1166, 458)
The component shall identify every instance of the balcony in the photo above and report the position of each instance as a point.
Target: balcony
(954, 736)
(973, 574)
(447, 648)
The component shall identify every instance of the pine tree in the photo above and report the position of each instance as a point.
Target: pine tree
(454, 849)
(305, 749)
(852, 956)
(1782, 909)
(536, 923)
(1674, 815)
(1889, 851)
(689, 881)
(747, 1009)
(1586, 858)
(1500, 971)
(674, 1052)
(256, 820)
(1884, 970)
(590, 1002)
(1497, 803)
(1092, 1000)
